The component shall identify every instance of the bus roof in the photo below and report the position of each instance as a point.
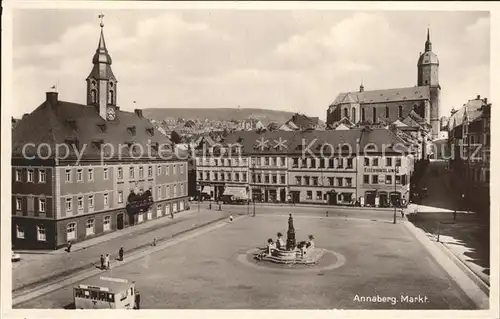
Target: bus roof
(107, 284)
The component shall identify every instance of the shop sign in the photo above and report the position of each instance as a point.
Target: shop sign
(380, 170)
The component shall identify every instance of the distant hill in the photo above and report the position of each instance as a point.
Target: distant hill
(265, 116)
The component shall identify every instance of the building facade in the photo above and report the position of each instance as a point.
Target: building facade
(394, 104)
(91, 169)
(317, 167)
(469, 140)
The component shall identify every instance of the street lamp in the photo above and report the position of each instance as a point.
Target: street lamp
(395, 190)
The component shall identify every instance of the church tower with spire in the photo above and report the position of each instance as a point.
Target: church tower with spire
(101, 82)
(428, 75)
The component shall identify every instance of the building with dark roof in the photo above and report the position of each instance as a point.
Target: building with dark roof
(81, 170)
(365, 165)
(469, 139)
(395, 104)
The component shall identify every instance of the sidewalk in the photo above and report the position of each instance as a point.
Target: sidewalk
(35, 269)
(460, 275)
(74, 278)
(319, 206)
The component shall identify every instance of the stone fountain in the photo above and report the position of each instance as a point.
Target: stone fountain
(303, 253)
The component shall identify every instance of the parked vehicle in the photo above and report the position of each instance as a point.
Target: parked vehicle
(105, 293)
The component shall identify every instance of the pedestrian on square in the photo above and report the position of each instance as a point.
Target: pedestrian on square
(69, 246)
(402, 213)
(230, 218)
(137, 300)
(154, 241)
(455, 214)
(120, 253)
(102, 261)
(172, 214)
(107, 261)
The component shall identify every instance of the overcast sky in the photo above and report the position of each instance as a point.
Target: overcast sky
(284, 60)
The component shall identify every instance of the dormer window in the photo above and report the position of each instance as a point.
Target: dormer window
(72, 142)
(150, 131)
(102, 127)
(97, 143)
(131, 130)
(72, 124)
(154, 146)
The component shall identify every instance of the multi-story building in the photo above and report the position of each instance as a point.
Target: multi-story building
(83, 170)
(371, 166)
(469, 140)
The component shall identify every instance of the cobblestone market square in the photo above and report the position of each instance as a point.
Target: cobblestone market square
(384, 268)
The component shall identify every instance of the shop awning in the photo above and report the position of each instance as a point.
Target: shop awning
(238, 192)
(207, 189)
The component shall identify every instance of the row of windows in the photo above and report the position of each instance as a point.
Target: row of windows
(90, 172)
(331, 181)
(42, 204)
(375, 179)
(388, 161)
(30, 175)
(177, 189)
(222, 176)
(222, 161)
(71, 227)
(269, 161)
(320, 195)
(322, 163)
(268, 178)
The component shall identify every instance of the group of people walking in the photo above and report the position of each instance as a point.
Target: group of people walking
(105, 259)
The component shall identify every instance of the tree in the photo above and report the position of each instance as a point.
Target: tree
(175, 137)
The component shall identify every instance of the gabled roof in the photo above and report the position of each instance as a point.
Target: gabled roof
(302, 121)
(470, 112)
(67, 122)
(379, 96)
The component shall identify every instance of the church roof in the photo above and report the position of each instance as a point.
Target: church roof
(381, 96)
(68, 123)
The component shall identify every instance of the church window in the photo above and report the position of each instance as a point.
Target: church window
(93, 84)
(93, 95)
(400, 111)
(386, 111)
(374, 117)
(345, 113)
(363, 118)
(111, 97)
(353, 117)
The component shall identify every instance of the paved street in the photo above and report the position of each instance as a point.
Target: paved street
(203, 272)
(35, 269)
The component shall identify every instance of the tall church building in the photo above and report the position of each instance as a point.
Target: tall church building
(420, 102)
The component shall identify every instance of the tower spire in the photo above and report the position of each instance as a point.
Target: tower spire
(428, 44)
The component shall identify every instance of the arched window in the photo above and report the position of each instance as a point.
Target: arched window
(387, 111)
(400, 111)
(345, 113)
(363, 118)
(111, 97)
(374, 115)
(93, 96)
(353, 117)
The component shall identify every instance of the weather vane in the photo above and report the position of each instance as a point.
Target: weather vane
(101, 16)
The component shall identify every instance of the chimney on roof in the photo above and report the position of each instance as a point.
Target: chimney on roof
(25, 115)
(478, 97)
(52, 98)
(485, 100)
(138, 112)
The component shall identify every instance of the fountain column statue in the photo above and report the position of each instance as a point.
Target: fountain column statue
(290, 240)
